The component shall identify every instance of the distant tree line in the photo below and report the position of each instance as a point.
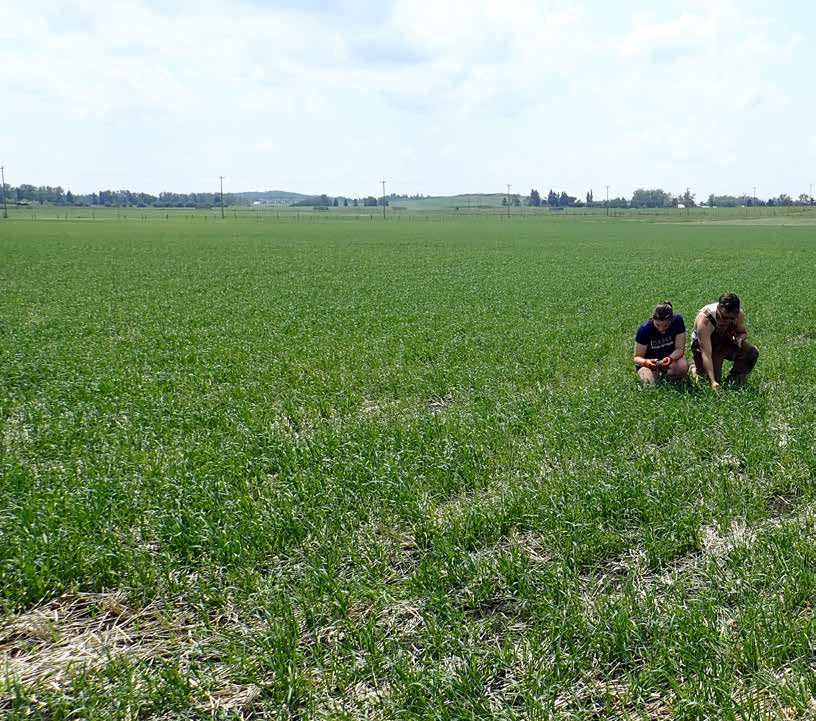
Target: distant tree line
(641, 198)
(45, 194)
(657, 198)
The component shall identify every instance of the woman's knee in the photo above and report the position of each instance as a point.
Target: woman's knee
(647, 375)
(679, 368)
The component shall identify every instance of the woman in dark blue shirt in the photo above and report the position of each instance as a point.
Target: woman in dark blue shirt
(660, 345)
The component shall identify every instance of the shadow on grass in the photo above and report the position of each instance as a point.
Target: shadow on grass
(684, 386)
(687, 386)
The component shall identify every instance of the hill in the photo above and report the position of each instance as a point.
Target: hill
(464, 200)
(270, 196)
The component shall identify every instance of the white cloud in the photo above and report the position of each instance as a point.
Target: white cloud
(449, 97)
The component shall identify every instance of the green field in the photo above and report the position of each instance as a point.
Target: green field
(356, 469)
(440, 209)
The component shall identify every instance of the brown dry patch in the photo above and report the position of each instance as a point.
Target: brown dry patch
(15, 433)
(451, 507)
(364, 700)
(609, 577)
(804, 339)
(782, 430)
(530, 545)
(231, 697)
(437, 404)
(611, 698)
(716, 544)
(85, 630)
(296, 430)
(600, 697)
(492, 493)
(45, 647)
(369, 408)
(401, 619)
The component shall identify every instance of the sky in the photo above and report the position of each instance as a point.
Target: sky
(442, 97)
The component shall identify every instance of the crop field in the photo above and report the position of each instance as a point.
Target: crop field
(387, 470)
(426, 209)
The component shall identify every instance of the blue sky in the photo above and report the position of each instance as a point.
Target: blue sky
(438, 98)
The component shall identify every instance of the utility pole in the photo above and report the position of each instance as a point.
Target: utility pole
(221, 178)
(607, 200)
(383, 182)
(3, 180)
(755, 195)
(508, 200)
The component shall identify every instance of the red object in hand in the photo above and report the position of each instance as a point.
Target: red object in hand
(650, 364)
(667, 361)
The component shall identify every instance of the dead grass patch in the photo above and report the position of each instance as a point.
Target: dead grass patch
(437, 404)
(85, 631)
(47, 646)
(401, 619)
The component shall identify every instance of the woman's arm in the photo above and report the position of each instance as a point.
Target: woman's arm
(640, 356)
(679, 347)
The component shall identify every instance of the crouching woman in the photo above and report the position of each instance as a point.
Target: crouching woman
(660, 345)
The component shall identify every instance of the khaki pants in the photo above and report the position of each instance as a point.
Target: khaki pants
(722, 348)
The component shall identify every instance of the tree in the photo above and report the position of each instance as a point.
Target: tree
(345, 202)
(535, 198)
(552, 198)
(589, 197)
(335, 203)
(731, 201)
(354, 202)
(504, 200)
(688, 199)
(656, 198)
(69, 198)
